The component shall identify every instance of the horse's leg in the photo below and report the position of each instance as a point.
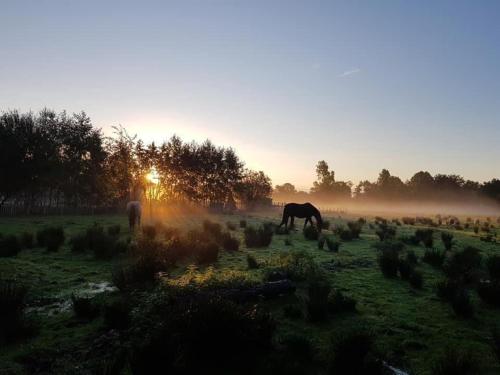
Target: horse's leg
(291, 222)
(305, 222)
(284, 221)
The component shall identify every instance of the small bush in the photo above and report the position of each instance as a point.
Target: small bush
(311, 233)
(12, 297)
(117, 314)
(207, 253)
(293, 311)
(114, 230)
(380, 220)
(425, 236)
(411, 257)
(230, 225)
(476, 229)
(455, 363)
(338, 303)
(416, 279)
(52, 238)
(27, 240)
(405, 269)
(325, 225)
(214, 229)
(388, 261)
(343, 233)
(447, 289)
(462, 304)
(243, 224)
(78, 243)
(410, 240)
(230, 243)
(104, 246)
(408, 220)
(493, 266)
(84, 307)
(353, 353)
(149, 231)
(258, 237)
(447, 239)
(355, 228)
(332, 245)
(317, 301)
(9, 246)
(464, 265)
(434, 258)
(489, 292)
(321, 243)
(385, 232)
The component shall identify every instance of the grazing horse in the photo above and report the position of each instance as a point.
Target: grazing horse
(306, 210)
(134, 213)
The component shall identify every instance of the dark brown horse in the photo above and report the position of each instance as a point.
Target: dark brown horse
(305, 210)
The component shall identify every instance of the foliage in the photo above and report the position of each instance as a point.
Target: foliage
(78, 243)
(51, 237)
(434, 257)
(447, 239)
(149, 231)
(230, 243)
(416, 279)
(463, 265)
(117, 313)
(489, 292)
(260, 236)
(405, 269)
(26, 240)
(462, 304)
(230, 225)
(388, 261)
(114, 230)
(385, 232)
(411, 257)
(339, 303)
(311, 233)
(9, 246)
(454, 362)
(493, 266)
(332, 245)
(355, 228)
(252, 262)
(12, 302)
(243, 224)
(425, 236)
(317, 303)
(84, 307)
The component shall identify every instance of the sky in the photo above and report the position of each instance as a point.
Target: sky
(364, 85)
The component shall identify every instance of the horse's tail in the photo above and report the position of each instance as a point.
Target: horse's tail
(284, 218)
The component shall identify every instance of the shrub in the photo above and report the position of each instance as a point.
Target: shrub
(51, 237)
(380, 220)
(296, 265)
(84, 307)
(230, 243)
(489, 292)
(493, 266)
(495, 344)
(297, 346)
(405, 269)
(317, 301)
(186, 334)
(9, 246)
(230, 225)
(26, 240)
(425, 236)
(388, 261)
(287, 241)
(410, 240)
(149, 231)
(408, 220)
(12, 325)
(117, 314)
(332, 245)
(243, 224)
(311, 233)
(464, 265)
(433, 257)
(411, 257)
(343, 233)
(321, 242)
(355, 228)
(447, 239)
(385, 232)
(338, 302)
(462, 304)
(114, 230)
(325, 225)
(416, 279)
(362, 221)
(352, 351)
(207, 253)
(78, 243)
(103, 246)
(292, 311)
(447, 289)
(214, 229)
(476, 229)
(282, 230)
(258, 237)
(455, 363)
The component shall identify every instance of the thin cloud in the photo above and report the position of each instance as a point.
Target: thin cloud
(350, 72)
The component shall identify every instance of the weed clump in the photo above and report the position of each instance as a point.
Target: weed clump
(230, 225)
(311, 233)
(12, 300)
(243, 224)
(317, 302)
(416, 279)
(9, 246)
(259, 237)
(114, 230)
(435, 258)
(464, 265)
(252, 262)
(51, 238)
(26, 240)
(454, 362)
(230, 243)
(388, 261)
(447, 239)
(339, 303)
(84, 307)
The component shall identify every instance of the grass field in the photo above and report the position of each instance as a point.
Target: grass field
(412, 327)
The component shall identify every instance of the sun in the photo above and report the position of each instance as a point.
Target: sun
(153, 176)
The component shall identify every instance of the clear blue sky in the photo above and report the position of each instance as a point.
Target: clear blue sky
(401, 85)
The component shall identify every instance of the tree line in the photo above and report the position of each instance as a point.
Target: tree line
(422, 186)
(54, 159)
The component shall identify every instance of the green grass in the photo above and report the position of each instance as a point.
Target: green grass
(412, 326)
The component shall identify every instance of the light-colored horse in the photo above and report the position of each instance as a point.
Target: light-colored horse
(134, 214)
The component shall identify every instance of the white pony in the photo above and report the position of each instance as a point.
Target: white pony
(134, 213)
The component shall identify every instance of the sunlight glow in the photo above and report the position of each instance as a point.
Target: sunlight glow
(153, 176)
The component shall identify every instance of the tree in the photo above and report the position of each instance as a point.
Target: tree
(254, 188)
